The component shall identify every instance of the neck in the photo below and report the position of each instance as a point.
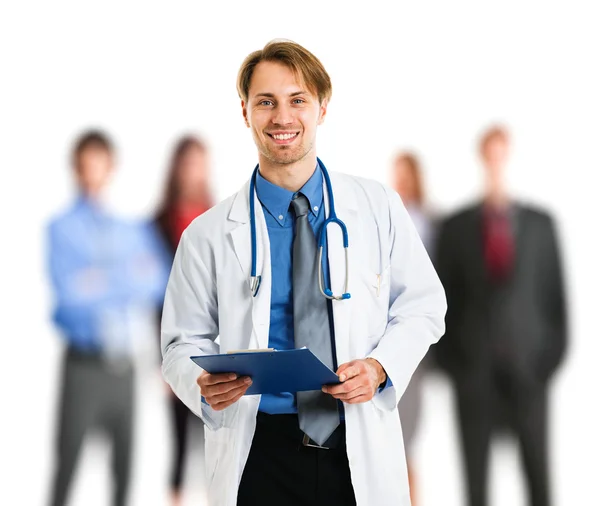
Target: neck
(496, 194)
(94, 198)
(409, 202)
(291, 176)
(496, 197)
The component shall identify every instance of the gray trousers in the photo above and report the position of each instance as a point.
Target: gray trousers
(95, 395)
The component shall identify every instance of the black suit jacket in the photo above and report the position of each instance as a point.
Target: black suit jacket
(518, 326)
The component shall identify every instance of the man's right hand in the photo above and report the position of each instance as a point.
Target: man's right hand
(222, 390)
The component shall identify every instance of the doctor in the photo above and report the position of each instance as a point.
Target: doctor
(247, 275)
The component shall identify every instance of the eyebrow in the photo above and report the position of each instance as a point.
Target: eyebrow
(271, 95)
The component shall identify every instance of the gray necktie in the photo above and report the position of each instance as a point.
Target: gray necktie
(317, 412)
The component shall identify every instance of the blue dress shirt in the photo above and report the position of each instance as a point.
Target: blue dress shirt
(102, 269)
(281, 227)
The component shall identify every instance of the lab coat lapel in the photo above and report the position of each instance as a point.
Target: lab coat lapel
(345, 207)
(240, 237)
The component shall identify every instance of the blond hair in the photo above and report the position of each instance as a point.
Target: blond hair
(302, 62)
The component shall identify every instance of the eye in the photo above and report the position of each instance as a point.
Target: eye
(298, 101)
(266, 102)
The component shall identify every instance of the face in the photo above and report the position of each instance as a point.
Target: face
(406, 185)
(94, 168)
(282, 114)
(495, 152)
(192, 169)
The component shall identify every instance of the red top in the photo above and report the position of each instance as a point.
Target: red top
(181, 217)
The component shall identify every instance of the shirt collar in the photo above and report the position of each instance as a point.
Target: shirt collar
(276, 200)
(91, 207)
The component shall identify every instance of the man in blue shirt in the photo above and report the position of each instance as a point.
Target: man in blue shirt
(104, 271)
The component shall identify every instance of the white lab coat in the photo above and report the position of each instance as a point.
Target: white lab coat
(395, 313)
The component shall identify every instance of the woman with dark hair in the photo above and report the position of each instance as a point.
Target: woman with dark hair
(187, 195)
(187, 192)
(408, 182)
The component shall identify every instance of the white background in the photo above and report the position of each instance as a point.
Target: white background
(422, 75)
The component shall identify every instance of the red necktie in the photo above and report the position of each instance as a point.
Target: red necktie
(498, 245)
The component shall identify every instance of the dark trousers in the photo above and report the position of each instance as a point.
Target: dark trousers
(95, 395)
(282, 471)
(180, 416)
(522, 405)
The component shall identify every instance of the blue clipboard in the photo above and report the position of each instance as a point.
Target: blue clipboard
(272, 372)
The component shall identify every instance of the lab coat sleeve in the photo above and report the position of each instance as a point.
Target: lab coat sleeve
(417, 306)
(189, 327)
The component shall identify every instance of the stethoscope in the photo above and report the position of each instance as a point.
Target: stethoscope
(325, 291)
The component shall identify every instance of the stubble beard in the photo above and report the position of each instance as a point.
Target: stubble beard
(285, 155)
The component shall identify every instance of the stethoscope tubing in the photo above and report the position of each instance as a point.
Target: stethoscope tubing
(325, 291)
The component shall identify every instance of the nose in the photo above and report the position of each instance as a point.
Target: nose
(283, 115)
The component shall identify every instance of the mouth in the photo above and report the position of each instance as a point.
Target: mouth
(283, 137)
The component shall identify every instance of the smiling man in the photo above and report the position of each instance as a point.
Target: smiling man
(340, 445)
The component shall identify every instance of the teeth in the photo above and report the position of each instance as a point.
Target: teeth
(284, 137)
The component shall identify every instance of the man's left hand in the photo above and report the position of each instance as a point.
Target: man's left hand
(360, 381)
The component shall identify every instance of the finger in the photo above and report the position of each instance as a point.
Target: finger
(362, 389)
(223, 401)
(214, 379)
(227, 395)
(345, 387)
(222, 405)
(342, 368)
(360, 399)
(345, 396)
(350, 372)
(223, 388)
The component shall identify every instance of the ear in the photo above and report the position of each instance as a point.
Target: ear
(245, 113)
(322, 112)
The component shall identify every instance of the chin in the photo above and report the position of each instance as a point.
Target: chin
(286, 159)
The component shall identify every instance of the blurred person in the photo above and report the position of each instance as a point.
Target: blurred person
(105, 271)
(338, 445)
(408, 182)
(187, 196)
(506, 326)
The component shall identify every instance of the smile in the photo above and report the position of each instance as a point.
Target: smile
(284, 138)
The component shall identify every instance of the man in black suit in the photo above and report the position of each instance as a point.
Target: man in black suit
(505, 326)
